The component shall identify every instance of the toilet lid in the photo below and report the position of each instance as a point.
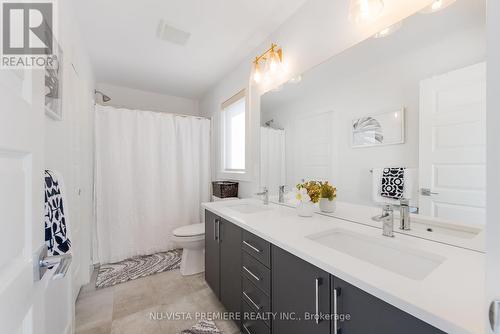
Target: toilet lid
(190, 230)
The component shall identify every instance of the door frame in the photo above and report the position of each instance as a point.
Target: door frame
(492, 268)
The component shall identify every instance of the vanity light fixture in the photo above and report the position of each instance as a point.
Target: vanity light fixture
(361, 11)
(268, 64)
(389, 30)
(436, 6)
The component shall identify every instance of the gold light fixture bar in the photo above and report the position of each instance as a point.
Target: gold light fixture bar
(274, 49)
(272, 57)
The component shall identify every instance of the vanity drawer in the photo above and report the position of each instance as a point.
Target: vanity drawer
(251, 324)
(254, 300)
(257, 247)
(256, 273)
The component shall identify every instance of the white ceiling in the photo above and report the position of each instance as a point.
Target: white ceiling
(121, 39)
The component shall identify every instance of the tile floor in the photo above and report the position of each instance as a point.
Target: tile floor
(126, 308)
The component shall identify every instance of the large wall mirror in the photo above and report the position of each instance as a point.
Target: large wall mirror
(411, 99)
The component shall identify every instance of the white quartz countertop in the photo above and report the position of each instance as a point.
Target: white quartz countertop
(450, 298)
(362, 214)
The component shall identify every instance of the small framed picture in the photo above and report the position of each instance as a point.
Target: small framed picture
(53, 84)
(376, 130)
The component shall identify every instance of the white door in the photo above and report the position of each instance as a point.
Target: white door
(313, 147)
(453, 145)
(21, 202)
(493, 189)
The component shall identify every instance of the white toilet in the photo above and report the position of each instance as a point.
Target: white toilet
(191, 239)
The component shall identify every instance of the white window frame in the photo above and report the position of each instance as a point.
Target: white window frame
(236, 175)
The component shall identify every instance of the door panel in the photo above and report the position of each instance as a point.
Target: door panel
(212, 255)
(230, 262)
(368, 314)
(294, 291)
(21, 201)
(314, 148)
(453, 145)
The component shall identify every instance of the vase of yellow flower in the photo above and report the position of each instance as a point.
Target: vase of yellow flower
(308, 193)
(328, 200)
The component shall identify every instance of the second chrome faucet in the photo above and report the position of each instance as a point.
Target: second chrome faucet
(387, 218)
(265, 193)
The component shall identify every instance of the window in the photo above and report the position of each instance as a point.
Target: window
(233, 133)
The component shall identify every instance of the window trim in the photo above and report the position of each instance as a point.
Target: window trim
(233, 174)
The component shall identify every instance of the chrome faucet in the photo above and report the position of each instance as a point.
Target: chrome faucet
(281, 194)
(387, 219)
(265, 193)
(404, 214)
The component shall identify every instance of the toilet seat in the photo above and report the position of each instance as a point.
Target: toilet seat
(194, 231)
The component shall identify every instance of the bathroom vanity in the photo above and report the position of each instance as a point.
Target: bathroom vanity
(383, 104)
(276, 267)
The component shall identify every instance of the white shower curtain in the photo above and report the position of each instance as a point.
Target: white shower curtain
(272, 158)
(152, 173)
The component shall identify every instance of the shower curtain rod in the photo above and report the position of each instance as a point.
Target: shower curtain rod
(164, 112)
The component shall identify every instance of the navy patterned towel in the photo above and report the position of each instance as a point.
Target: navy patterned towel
(393, 183)
(56, 232)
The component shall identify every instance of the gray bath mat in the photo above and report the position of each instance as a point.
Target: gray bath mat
(137, 267)
(203, 327)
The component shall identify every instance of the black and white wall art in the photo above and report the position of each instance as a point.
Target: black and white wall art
(381, 129)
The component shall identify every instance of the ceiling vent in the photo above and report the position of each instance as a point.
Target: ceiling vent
(170, 34)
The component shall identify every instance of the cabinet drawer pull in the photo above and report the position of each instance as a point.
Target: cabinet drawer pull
(317, 282)
(247, 330)
(251, 246)
(254, 304)
(251, 273)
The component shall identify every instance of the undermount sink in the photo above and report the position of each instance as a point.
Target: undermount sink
(456, 231)
(412, 263)
(249, 208)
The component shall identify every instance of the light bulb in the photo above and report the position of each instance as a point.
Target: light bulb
(273, 66)
(274, 62)
(256, 73)
(267, 77)
(365, 10)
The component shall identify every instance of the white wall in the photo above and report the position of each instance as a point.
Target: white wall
(143, 100)
(69, 150)
(317, 31)
(493, 159)
(376, 76)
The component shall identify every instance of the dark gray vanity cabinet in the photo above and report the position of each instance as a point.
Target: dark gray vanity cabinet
(252, 276)
(368, 314)
(223, 260)
(256, 294)
(230, 263)
(212, 252)
(300, 290)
